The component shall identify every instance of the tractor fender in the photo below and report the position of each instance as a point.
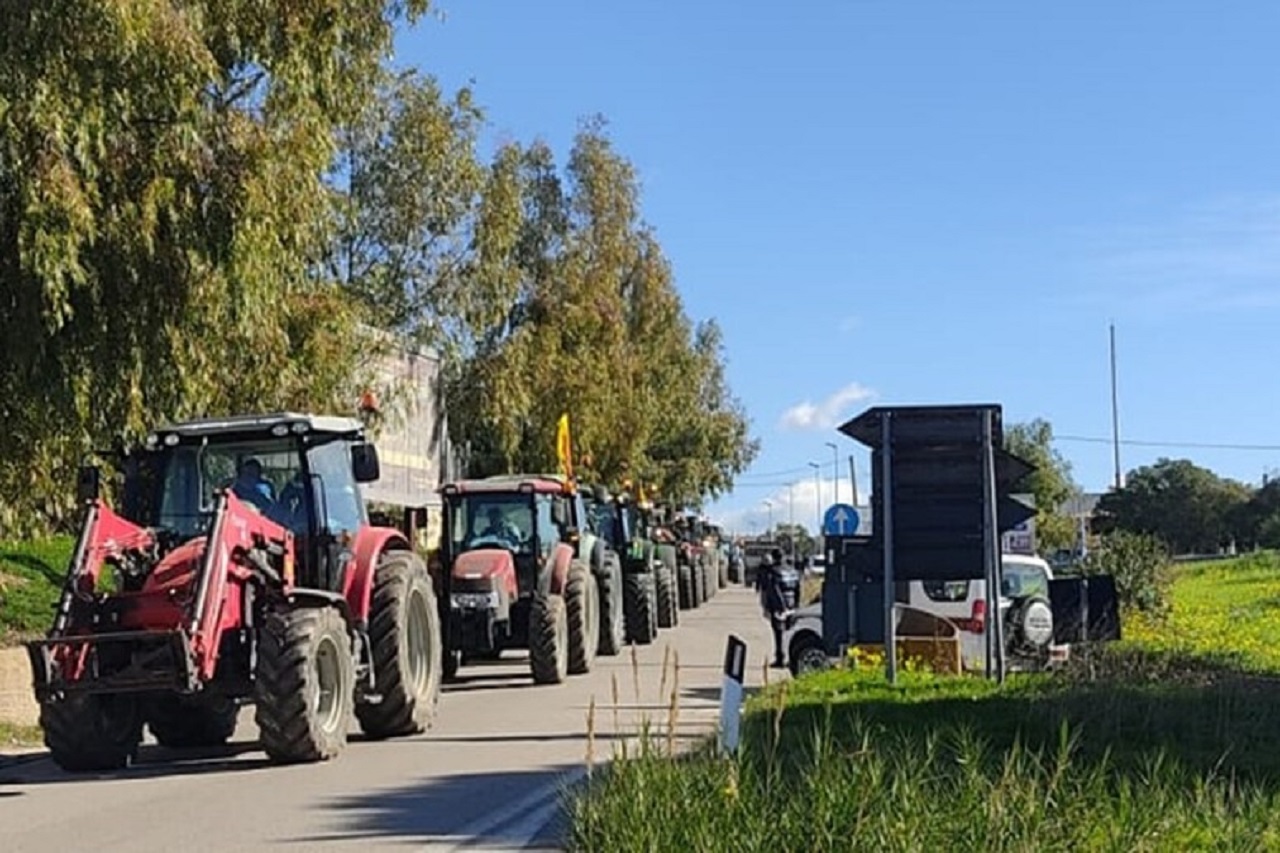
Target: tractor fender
(304, 597)
(558, 574)
(357, 580)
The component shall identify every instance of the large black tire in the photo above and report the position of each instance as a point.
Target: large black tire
(722, 563)
(305, 685)
(642, 607)
(408, 649)
(613, 627)
(696, 578)
(668, 607)
(710, 583)
(668, 594)
(685, 587)
(549, 639)
(92, 733)
(582, 602)
(191, 721)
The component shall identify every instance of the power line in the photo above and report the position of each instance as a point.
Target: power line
(1198, 445)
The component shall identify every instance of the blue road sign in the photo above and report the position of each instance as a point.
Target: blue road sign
(840, 520)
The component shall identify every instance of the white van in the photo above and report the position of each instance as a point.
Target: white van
(1024, 603)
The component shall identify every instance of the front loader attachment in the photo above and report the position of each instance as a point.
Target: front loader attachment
(119, 662)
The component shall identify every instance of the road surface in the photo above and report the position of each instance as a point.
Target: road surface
(488, 775)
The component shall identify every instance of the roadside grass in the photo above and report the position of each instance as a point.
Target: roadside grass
(1160, 742)
(12, 734)
(31, 576)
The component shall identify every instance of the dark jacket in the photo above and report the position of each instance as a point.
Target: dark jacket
(779, 588)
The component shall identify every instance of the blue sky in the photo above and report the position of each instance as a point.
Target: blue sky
(935, 202)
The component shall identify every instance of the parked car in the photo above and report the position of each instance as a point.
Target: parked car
(1024, 606)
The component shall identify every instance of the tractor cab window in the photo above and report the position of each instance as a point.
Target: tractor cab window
(548, 533)
(492, 521)
(337, 495)
(604, 521)
(258, 473)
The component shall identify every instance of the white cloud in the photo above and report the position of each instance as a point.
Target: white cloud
(826, 413)
(802, 500)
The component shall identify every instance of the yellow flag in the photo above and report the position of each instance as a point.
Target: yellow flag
(564, 446)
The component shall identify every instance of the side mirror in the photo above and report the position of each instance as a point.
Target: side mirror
(364, 462)
(88, 483)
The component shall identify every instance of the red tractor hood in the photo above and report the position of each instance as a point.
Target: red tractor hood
(177, 569)
(495, 566)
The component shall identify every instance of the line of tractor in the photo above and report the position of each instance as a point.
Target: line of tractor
(241, 567)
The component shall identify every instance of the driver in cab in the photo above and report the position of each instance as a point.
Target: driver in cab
(499, 527)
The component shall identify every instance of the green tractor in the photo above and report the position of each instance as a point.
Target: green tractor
(617, 520)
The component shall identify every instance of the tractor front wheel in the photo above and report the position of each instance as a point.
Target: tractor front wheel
(668, 595)
(305, 685)
(88, 733)
(638, 597)
(404, 632)
(191, 721)
(582, 601)
(549, 639)
(612, 610)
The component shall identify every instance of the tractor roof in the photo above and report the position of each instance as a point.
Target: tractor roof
(253, 426)
(539, 483)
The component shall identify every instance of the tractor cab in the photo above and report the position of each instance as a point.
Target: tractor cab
(300, 471)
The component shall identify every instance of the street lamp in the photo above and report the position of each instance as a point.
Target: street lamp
(835, 470)
(791, 499)
(817, 482)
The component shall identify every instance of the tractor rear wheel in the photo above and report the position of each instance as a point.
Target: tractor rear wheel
(187, 721)
(639, 598)
(549, 639)
(582, 601)
(612, 610)
(92, 732)
(404, 632)
(305, 685)
(696, 579)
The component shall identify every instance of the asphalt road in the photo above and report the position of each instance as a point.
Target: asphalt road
(490, 774)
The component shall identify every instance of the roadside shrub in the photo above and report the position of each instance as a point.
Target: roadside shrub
(1139, 562)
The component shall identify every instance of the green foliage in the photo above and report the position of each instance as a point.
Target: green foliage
(1225, 609)
(161, 208)
(1051, 482)
(1191, 508)
(1164, 741)
(593, 327)
(1139, 563)
(31, 575)
(842, 761)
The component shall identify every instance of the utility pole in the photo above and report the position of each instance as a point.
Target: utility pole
(1115, 413)
(835, 470)
(769, 506)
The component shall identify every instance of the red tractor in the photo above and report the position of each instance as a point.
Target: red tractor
(243, 569)
(512, 577)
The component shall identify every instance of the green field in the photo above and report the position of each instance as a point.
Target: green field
(1160, 742)
(30, 579)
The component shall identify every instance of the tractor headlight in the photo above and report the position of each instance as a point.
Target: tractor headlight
(474, 600)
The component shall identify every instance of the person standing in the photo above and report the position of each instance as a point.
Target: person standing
(776, 599)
